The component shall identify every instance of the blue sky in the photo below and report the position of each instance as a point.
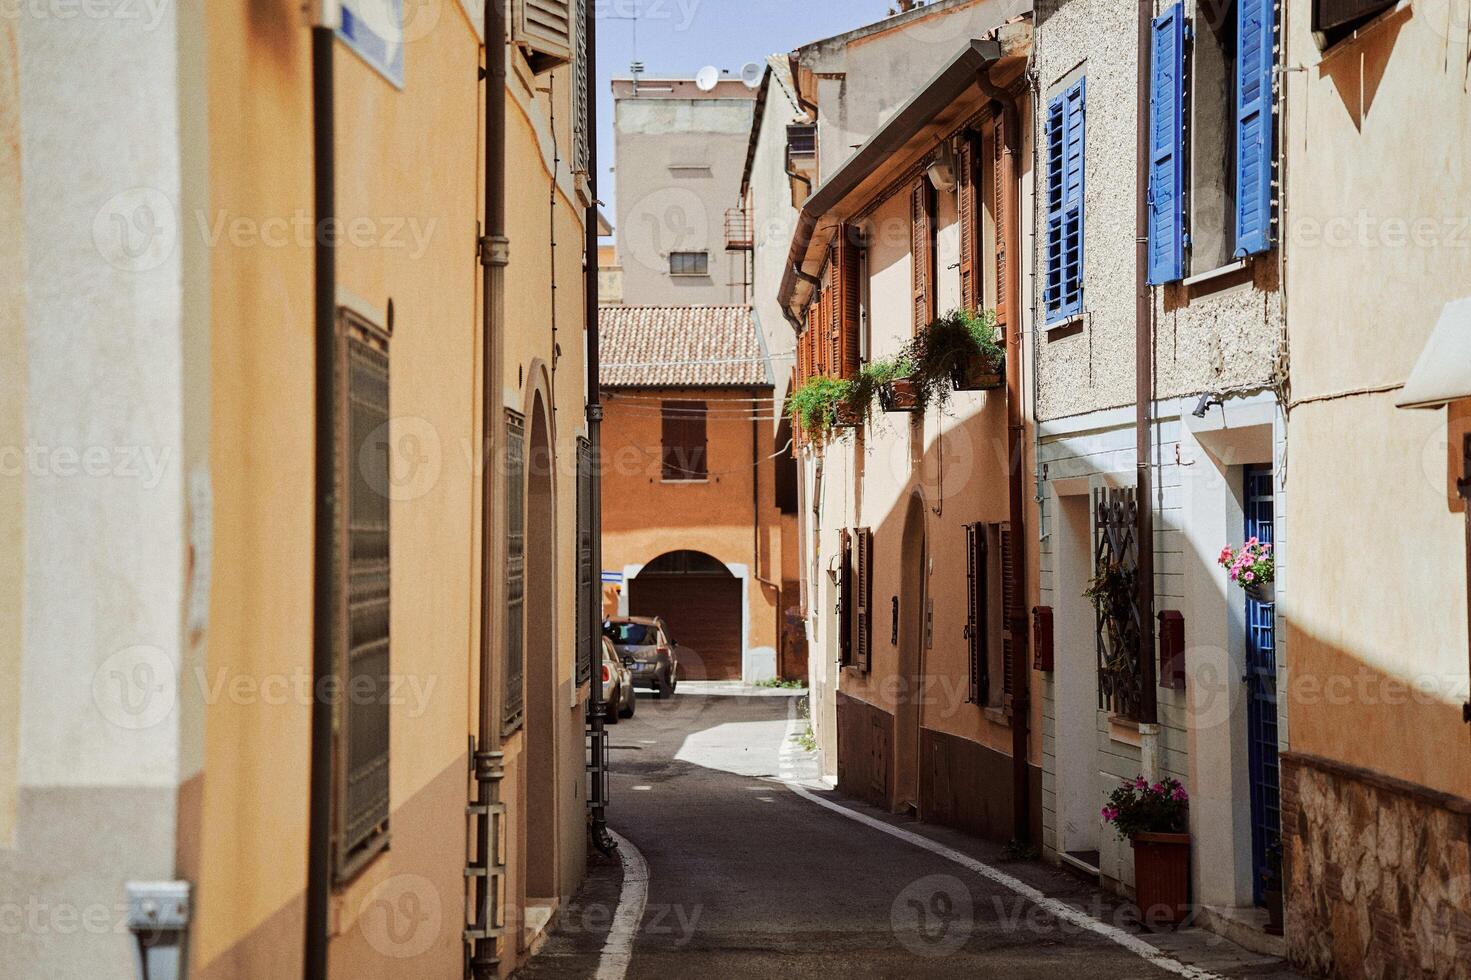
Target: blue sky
(679, 37)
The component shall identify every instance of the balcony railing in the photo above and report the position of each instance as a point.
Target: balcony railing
(739, 235)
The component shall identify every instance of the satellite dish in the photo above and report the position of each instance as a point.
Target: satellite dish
(752, 74)
(707, 78)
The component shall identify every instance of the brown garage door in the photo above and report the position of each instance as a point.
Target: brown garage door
(703, 614)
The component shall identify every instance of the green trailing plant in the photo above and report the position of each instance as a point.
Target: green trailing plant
(865, 386)
(942, 348)
(1112, 592)
(815, 404)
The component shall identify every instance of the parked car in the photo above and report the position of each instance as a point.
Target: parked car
(644, 644)
(619, 698)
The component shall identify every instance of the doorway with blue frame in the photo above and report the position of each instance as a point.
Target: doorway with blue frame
(1261, 688)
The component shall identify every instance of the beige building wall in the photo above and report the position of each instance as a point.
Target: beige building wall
(1376, 227)
(679, 154)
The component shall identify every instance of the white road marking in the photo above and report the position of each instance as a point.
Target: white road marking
(1061, 910)
(632, 899)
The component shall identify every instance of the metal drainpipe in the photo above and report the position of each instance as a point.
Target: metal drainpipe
(1144, 409)
(319, 819)
(1021, 665)
(596, 709)
(494, 254)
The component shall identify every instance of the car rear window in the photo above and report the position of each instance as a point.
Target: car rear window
(631, 634)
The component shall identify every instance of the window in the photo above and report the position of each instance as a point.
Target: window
(802, 139)
(514, 699)
(689, 263)
(684, 441)
(1231, 128)
(1062, 293)
(865, 321)
(967, 216)
(360, 597)
(1336, 20)
(992, 609)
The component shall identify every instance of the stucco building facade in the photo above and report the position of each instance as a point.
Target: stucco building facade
(159, 706)
(678, 156)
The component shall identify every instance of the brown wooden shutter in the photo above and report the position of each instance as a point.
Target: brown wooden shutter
(920, 254)
(684, 437)
(1010, 607)
(845, 601)
(513, 708)
(804, 362)
(863, 599)
(998, 211)
(965, 191)
(849, 291)
(977, 620)
(832, 285)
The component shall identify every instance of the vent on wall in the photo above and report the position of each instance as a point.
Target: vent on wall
(544, 28)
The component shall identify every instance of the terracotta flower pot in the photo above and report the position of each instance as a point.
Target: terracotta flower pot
(899, 395)
(977, 373)
(1162, 877)
(848, 417)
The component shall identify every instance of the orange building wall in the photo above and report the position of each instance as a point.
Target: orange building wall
(643, 517)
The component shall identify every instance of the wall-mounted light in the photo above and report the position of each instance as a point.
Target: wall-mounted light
(1207, 402)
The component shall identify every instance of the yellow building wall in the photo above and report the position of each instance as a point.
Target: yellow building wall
(410, 193)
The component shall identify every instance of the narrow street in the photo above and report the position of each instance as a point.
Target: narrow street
(751, 875)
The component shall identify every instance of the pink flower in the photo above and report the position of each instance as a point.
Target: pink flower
(1179, 795)
(1141, 783)
(1250, 576)
(1251, 541)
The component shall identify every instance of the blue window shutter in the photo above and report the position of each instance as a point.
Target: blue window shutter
(1052, 285)
(1255, 59)
(1166, 138)
(1072, 213)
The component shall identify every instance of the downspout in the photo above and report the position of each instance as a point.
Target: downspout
(1144, 410)
(324, 305)
(596, 709)
(494, 253)
(1021, 663)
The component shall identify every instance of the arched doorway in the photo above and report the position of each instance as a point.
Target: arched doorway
(701, 602)
(541, 664)
(912, 600)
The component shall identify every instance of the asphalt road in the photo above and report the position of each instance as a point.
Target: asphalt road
(750, 879)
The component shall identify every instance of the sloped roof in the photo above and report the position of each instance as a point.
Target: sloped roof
(681, 347)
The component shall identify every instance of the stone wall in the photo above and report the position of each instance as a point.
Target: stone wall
(1377, 874)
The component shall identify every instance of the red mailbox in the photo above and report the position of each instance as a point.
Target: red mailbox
(1172, 650)
(1042, 638)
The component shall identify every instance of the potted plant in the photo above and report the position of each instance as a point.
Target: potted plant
(970, 344)
(1254, 568)
(1155, 819)
(814, 406)
(1272, 889)
(894, 383)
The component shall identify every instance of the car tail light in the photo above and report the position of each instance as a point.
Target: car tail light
(607, 674)
(666, 651)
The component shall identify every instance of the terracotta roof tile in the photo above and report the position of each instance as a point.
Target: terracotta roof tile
(681, 347)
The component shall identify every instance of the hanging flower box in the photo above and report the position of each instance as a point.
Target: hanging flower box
(847, 416)
(979, 372)
(1254, 568)
(1264, 593)
(900, 395)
